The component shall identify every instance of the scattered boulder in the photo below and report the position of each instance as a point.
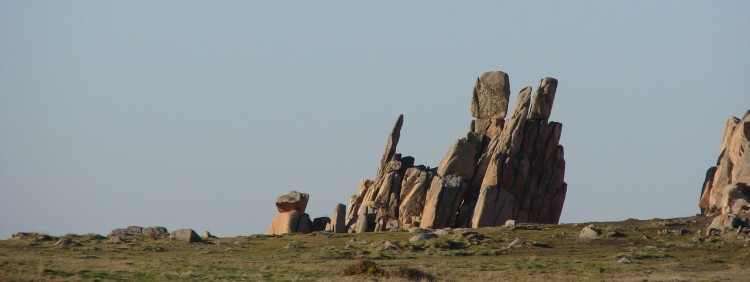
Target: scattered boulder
(63, 242)
(136, 232)
(154, 232)
(442, 232)
(589, 232)
(207, 235)
(185, 235)
(422, 237)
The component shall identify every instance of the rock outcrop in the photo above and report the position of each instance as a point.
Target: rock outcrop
(292, 217)
(502, 170)
(726, 194)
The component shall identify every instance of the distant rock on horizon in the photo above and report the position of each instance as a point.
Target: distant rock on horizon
(502, 170)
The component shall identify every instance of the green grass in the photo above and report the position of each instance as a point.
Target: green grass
(552, 253)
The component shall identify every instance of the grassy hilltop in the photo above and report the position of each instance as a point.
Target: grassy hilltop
(631, 250)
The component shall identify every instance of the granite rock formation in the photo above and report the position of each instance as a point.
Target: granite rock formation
(502, 170)
(292, 217)
(726, 194)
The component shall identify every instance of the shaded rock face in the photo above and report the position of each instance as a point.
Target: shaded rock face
(292, 217)
(502, 170)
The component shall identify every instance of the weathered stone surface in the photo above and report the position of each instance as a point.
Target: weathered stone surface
(292, 201)
(338, 223)
(319, 223)
(491, 94)
(724, 183)
(442, 202)
(186, 235)
(292, 221)
(541, 107)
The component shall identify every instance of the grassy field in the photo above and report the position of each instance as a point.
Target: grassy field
(631, 250)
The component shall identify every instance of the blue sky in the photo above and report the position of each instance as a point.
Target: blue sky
(199, 114)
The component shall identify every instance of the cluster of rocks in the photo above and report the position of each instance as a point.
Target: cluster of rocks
(133, 233)
(502, 170)
(726, 194)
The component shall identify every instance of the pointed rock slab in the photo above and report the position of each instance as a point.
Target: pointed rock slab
(292, 201)
(541, 104)
(390, 147)
(442, 202)
(292, 221)
(490, 96)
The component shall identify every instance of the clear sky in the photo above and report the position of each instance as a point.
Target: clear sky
(200, 114)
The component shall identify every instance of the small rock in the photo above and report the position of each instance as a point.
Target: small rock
(207, 235)
(417, 230)
(589, 232)
(388, 245)
(441, 232)
(517, 243)
(422, 237)
(66, 242)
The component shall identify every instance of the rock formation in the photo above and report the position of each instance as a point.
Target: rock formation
(502, 170)
(726, 194)
(292, 217)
